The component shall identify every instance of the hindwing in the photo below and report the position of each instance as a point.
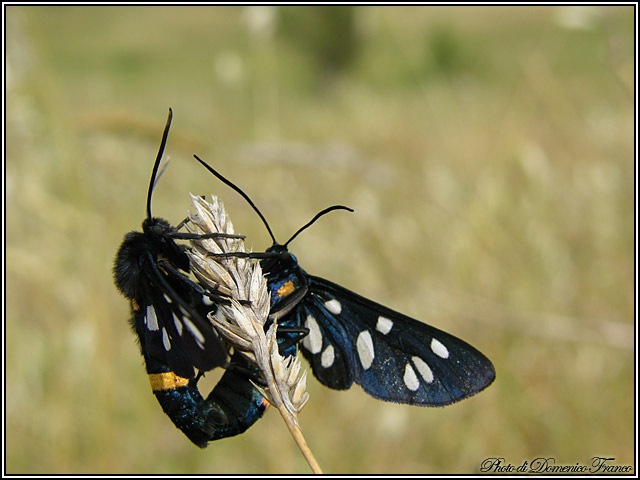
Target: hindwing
(391, 356)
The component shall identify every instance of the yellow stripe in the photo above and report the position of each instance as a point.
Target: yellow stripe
(286, 289)
(166, 381)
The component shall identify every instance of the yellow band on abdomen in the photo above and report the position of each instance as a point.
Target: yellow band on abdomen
(166, 381)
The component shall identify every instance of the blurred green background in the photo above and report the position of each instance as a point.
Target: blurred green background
(488, 153)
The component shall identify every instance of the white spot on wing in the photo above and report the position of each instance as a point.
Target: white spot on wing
(439, 349)
(384, 325)
(364, 343)
(423, 369)
(151, 318)
(328, 356)
(165, 340)
(167, 298)
(177, 323)
(197, 334)
(410, 378)
(313, 341)
(206, 300)
(333, 306)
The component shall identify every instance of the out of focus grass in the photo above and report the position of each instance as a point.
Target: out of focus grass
(487, 151)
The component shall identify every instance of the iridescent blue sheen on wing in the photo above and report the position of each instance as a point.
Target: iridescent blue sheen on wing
(350, 338)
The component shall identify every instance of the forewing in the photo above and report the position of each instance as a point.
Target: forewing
(392, 356)
(175, 332)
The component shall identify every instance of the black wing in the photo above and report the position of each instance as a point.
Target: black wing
(170, 322)
(392, 356)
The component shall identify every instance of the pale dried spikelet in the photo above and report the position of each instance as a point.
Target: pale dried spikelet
(286, 384)
(240, 278)
(287, 374)
(242, 324)
(229, 273)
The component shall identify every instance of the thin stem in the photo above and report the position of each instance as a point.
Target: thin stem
(296, 433)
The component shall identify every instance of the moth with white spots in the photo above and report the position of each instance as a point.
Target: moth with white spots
(169, 317)
(350, 339)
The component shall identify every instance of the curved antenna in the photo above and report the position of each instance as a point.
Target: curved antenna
(237, 189)
(312, 221)
(163, 143)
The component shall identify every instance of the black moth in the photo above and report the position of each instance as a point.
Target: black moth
(347, 338)
(352, 339)
(178, 343)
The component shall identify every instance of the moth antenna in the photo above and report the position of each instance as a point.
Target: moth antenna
(164, 166)
(313, 220)
(237, 189)
(163, 143)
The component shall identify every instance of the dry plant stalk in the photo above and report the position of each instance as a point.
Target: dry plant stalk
(241, 323)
